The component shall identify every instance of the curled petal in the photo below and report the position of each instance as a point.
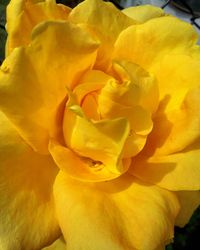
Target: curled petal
(101, 141)
(23, 16)
(80, 168)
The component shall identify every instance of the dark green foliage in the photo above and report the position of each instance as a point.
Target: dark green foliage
(187, 238)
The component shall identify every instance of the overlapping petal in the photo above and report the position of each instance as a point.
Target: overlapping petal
(143, 13)
(147, 43)
(27, 213)
(101, 141)
(120, 214)
(81, 168)
(23, 16)
(106, 21)
(34, 79)
(178, 171)
(177, 123)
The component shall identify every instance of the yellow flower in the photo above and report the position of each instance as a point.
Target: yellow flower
(99, 127)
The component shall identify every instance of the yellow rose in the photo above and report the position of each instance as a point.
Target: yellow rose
(100, 127)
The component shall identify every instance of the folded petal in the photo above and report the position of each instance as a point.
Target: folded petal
(57, 245)
(23, 16)
(27, 213)
(189, 202)
(143, 13)
(147, 43)
(101, 141)
(82, 168)
(34, 79)
(119, 214)
(106, 21)
(178, 171)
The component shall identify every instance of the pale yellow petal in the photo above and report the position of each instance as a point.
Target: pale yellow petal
(34, 79)
(23, 16)
(189, 202)
(116, 215)
(27, 213)
(146, 44)
(178, 171)
(143, 13)
(106, 21)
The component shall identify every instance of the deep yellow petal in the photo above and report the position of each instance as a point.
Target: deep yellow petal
(26, 205)
(175, 129)
(189, 202)
(86, 92)
(143, 13)
(106, 21)
(178, 171)
(147, 43)
(80, 168)
(92, 80)
(23, 16)
(57, 245)
(144, 89)
(34, 79)
(101, 141)
(110, 215)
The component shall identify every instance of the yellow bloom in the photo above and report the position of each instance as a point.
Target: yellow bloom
(100, 127)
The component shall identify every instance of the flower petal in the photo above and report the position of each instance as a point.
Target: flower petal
(147, 43)
(110, 215)
(143, 13)
(57, 245)
(180, 171)
(106, 21)
(81, 168)
(189, 201)
(177, 121)
(101, 141)
(26, 206)
(34, 79)
(23, 16)
(175, 129)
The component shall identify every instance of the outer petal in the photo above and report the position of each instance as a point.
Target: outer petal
(189, 201)
(180, 171)
(27, 219)
(23, 16)
(177, 122)
(143, 13)
(120, 214)
(106, 21)
(34, 79)
(147, 43)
